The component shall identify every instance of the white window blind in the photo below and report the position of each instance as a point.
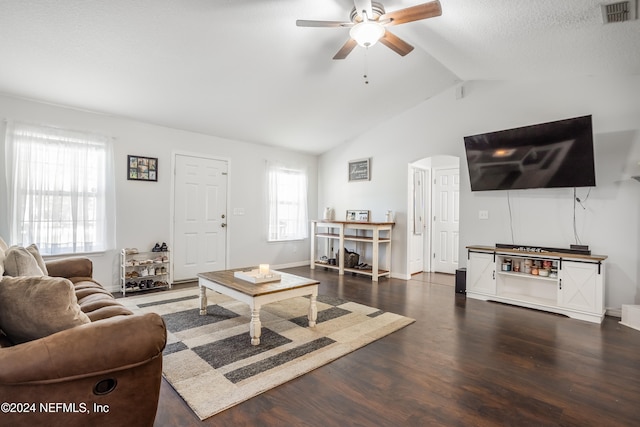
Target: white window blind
(287, 199)
(61, 189)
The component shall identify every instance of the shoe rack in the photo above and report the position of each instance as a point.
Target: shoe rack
(142, 271)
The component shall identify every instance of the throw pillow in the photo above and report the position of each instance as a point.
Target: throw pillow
(1, 262)
(3, 249)
(33, 250)
(19, 262)
(35, 307)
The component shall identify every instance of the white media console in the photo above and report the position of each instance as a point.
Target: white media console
(572, 284)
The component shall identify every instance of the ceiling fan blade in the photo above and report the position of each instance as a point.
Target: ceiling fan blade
(414, 13)
(395, 43)
(365, 5)
(346, 49)
(307, 23)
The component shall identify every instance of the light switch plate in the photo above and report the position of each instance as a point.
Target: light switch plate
(483, 214)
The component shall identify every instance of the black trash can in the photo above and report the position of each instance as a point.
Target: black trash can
(461, 281)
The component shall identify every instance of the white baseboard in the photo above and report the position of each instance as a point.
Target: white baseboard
(613, 312)
(292, 264)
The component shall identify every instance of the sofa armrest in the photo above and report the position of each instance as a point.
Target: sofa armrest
(103, 346)
(70, 267)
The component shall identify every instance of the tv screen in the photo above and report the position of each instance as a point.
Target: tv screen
(545, 155)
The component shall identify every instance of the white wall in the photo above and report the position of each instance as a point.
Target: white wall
(143, 208)
(610, 222)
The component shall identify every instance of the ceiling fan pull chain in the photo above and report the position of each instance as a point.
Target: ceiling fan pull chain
(366, 80)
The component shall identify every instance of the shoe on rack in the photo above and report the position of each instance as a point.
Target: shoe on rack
(164, 247)
(156, 248)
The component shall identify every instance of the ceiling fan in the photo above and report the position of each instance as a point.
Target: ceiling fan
(368, 22)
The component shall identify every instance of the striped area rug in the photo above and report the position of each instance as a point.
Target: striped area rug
(210, 362)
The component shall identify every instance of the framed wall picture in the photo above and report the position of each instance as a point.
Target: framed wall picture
(142, 168)
(360, 170)
(358, 215)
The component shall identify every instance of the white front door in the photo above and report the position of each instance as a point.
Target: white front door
(446, 220)
(200, 216)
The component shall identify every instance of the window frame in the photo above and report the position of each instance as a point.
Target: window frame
(69, 200)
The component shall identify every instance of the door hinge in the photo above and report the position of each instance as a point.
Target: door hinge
(224, 173)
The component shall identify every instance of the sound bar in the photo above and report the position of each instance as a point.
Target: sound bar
(575, 249)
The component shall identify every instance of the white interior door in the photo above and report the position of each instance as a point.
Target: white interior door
(200, 216)
(446, 219)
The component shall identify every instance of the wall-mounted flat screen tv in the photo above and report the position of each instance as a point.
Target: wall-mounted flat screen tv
(545, 155)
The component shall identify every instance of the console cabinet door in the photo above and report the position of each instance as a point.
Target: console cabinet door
(581, 286)
(481, 277)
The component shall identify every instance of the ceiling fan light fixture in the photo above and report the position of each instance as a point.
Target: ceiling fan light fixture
(367, 33)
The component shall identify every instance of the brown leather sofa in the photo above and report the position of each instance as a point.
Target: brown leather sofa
(104, 372)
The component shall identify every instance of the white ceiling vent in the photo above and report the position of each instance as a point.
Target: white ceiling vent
(619, 11)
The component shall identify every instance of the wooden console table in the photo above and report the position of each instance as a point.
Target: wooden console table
(374, 233)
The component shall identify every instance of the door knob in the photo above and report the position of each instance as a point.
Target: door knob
(223, 225)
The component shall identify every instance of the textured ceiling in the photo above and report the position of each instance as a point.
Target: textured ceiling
(241, 69)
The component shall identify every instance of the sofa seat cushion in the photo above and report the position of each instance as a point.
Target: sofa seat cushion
(85, 291)
(106, 311)
(96, 302)
(35, 307)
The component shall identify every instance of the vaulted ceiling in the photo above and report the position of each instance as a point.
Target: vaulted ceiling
(242, 69)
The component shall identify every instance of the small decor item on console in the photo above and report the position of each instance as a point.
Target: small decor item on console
(329, 214)
(389, 216)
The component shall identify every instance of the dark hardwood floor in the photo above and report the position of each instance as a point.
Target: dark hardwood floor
(462, 363)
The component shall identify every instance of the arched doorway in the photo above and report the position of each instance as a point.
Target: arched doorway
(433, 215)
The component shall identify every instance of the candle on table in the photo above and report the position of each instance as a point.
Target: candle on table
(264, 269)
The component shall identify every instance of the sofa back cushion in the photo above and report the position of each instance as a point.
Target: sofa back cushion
(20, 262)
(35, 307)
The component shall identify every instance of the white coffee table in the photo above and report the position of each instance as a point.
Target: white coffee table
(256, 295)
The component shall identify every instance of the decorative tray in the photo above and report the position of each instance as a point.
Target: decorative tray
(254, 276)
